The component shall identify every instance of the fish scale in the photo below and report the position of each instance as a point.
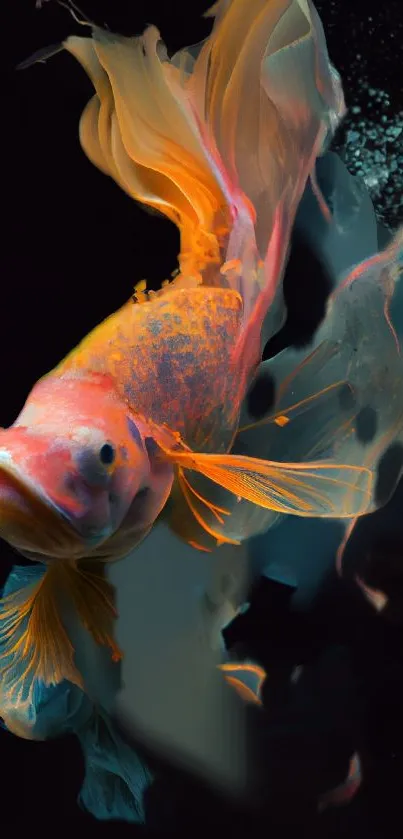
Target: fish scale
(171, 360)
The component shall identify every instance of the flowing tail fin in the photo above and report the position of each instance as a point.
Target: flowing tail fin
(221, 138)
(140, 129)
(222, 142)
(271, 98)
(34, 642)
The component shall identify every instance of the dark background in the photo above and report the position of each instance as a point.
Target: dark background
(73, 247)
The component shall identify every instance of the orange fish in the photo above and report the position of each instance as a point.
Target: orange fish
(150, 401)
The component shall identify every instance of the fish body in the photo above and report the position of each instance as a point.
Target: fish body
(170, 359)
(177, 367)
(147, 407)
(153, 376)
(89, 463)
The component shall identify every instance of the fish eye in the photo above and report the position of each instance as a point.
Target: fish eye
(107, 454)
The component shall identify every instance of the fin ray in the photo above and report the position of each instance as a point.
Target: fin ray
(35, 643)
(303, 489)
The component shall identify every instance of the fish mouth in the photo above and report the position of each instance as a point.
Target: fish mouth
(30, 522)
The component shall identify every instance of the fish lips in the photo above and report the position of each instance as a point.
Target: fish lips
(31, 522)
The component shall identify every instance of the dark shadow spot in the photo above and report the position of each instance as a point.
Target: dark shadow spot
(382, 570)
(134, 432)
(138, 504)
(91, 470)
(346, 397)
(28, 560)
(261, 395)
(375, 538)
(307, 286)
(366, 425)
(389, 469)
(151, 446)
(384, 236)
(383, 567)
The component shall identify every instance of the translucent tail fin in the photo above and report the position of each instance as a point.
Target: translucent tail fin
(222, 143)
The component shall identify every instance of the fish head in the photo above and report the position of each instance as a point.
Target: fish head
(72, 467)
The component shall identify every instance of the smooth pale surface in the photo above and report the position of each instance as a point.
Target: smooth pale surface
(172, 601)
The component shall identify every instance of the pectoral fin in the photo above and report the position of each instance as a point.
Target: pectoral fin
(304, 489)
(34, 641)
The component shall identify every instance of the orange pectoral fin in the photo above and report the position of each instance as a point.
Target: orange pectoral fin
(35, 643)
(208, 515)
(216, 517)
(303, 489)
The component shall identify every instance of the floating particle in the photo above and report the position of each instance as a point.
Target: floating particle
(369, 67)
(370, 142)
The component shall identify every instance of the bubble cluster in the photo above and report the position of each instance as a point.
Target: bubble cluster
(370, 142)
(367, 50)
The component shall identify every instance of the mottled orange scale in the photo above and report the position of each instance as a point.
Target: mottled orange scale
(175, 366)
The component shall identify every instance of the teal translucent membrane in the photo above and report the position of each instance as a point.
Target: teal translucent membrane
(307, 548)
(339, 402)
(342, 400)
(115, 778)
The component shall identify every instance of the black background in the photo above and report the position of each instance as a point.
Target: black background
(73, 247)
